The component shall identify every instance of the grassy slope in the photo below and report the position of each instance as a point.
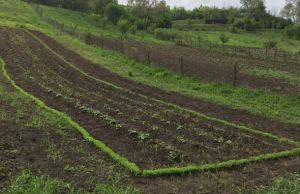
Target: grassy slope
(244, 39)
(284, 108)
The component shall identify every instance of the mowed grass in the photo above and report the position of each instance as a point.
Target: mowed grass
(264, 103)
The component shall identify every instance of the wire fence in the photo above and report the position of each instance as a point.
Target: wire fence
(184, 60)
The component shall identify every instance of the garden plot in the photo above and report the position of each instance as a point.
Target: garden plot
(150, 133)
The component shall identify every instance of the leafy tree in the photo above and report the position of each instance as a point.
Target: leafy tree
(100, 5)
(179, 13)
(289, 11)
(114, 12)
(124, 26)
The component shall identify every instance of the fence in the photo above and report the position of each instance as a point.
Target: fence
(206, 64)
(274, 55)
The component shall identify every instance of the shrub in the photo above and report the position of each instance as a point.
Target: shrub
(233, 29)
(133, 29)
(270, 44)
(114, 12)
(224, 38)
(293, 32)
(164, 34)
(124, 26)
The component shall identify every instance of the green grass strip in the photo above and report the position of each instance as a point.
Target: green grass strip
(220, 165)
(201, 115)
(120, 159)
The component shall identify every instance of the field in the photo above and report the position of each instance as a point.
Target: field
(76, 118)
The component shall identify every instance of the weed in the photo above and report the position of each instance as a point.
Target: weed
(175, 156)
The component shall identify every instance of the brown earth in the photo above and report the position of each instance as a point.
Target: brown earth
(211, 109)
(225, 181)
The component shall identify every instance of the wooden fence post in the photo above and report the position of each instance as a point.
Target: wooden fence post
(121, 43)
(148, 56)
(284, 56)
(235, 74)
(181, 65)
(102, 40)
(74, 29)
(275, 55)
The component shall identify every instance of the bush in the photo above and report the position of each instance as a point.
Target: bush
(293, 32)
(133, 29)
(233, 29)
(141, 24)
(270, 44)
(224, 38)
(164, 34)
(124, 26)
(248, 24)
(114, 12)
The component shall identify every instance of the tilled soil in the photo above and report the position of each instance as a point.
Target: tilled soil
(211, 109)
(226, 181)
(147, 132)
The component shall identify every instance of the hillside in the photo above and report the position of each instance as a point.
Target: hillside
(83, 116)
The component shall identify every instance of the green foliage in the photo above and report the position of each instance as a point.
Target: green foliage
(220, 165)
(124, 26)
(271, 44)
(27, 183)
(114, 12)
(282, 185)
(224, 39)
(164, 34)
(293, 32)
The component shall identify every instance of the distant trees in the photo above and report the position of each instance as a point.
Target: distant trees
(290, 10)
(113, 12)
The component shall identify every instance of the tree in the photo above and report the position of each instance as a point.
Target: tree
(124, 26)
(298, 11)
(114, 12)
(142, 8)
(255, 8)
(289, 11)
(100, 5)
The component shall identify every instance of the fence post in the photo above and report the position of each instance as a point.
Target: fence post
(74, 29)
(102, 40)
(275, 55)
(284, 56)
(235, 74)
(121, 43)
(181, 65)
(148, 56)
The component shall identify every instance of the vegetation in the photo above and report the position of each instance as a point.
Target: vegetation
(26, 182)
(124, 19)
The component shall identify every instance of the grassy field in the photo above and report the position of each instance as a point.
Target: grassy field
(243, 39)
(264, 103)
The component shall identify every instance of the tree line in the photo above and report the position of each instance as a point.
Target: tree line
(145, 14)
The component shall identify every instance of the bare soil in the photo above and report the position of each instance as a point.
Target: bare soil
(41, 73)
